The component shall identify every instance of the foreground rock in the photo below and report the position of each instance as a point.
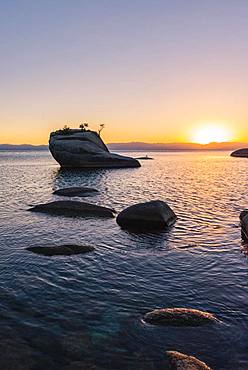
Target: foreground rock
(61, 250)
(180, 361)
(179, 317)
(73, 208)
(154, 215)
(243, 153)
(76, 192)
(244, 224)
(85, 149)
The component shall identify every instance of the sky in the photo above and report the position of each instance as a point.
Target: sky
(153, 71)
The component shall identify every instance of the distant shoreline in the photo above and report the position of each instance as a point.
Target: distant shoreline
(141, 147)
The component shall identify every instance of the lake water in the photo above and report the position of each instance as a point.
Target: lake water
(85, 311)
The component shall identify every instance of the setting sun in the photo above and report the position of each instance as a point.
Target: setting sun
(211, 133)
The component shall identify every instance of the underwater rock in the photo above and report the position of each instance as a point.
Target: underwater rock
(153, 215)
(61, 250)
(179, 317)
(75, 148)
(73, 208)
(244, 224)
(144, 158)
(180, 361)
(75, 192)
(243, 153)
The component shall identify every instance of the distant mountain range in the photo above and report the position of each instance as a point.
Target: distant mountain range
(175, 146)
(140, 146)
(23, 147)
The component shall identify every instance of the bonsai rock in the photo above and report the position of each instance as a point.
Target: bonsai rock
(75, 148)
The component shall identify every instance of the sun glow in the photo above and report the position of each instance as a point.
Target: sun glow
(211, 133)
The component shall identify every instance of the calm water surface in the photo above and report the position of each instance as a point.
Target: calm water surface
(85, 311)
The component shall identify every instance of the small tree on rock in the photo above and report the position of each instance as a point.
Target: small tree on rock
(84, 126)
(101, 127)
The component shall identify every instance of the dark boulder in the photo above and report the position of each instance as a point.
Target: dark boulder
(73, 208)
(244, 224)
(61, 250)
(179, 317)
(180, 361)
(153, 215)
(76, 192)
(243, 153)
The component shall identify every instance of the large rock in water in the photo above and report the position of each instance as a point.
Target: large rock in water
(244, 224)
(179, 317)
(153, 215)
(243, 153)
(180, 361)
(73, 208)
(85, 149)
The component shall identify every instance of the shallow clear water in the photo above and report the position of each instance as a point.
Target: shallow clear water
(85, 311)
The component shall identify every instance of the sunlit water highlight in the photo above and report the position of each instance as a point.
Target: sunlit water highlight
(85, 311)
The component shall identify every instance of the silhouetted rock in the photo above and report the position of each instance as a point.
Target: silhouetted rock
(73, 208)
(240, 153)
(85, 149)
(153, 215)
(179, 317)
(180, 361)
(64, 250)
(76, 192)
(244, 224)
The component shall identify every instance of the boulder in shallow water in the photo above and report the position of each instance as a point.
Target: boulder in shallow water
(180, 361)
(145, 158)
(242, 153)
(77, 191)
(75, 148)
(153, 215)
(179, 317)
(244, 224)
(73, 208)
(61, 250)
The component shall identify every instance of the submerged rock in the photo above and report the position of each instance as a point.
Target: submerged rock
(153, 215)
(61, 250)
(180, 361)
(145, 158)
(76, 192)
(244, 224)
(179, 317)
(85, 149)
(243, 153)
(73, 208)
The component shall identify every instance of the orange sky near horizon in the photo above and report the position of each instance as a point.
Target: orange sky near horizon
(155, 72)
